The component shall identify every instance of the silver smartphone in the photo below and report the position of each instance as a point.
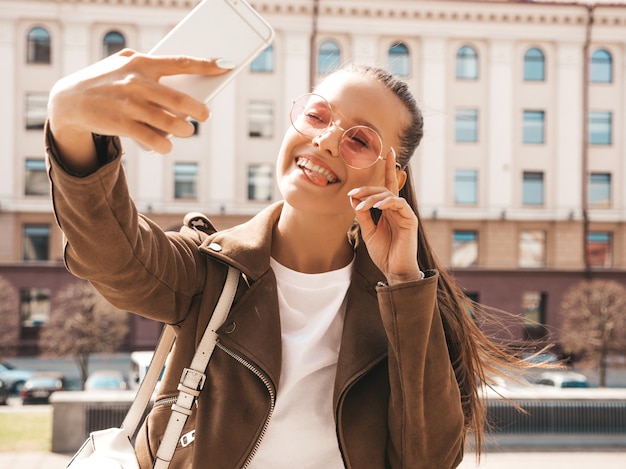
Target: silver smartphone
(228, 29)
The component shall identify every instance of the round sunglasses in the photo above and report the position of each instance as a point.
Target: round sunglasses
(360, 146)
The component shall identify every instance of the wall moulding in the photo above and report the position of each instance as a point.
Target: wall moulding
(505, 13)
(474, 12)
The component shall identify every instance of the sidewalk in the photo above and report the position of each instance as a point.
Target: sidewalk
(547, 460)
(509, 460)
(34, 460)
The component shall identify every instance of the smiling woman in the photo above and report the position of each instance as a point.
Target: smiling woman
(348, 344)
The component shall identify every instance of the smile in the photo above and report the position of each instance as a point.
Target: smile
(311, 167)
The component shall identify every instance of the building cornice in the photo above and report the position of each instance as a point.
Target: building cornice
(514, 12)
(562, 13)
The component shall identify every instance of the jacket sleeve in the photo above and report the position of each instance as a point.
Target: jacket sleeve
(426, 424)
(127, 257)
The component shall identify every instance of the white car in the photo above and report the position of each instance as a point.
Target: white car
(562, 379)
(14, 378)
(106, 380)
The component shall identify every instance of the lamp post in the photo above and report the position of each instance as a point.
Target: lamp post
(312, 54)
(585, 141)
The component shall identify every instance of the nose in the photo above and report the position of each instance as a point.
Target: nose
(328, 139)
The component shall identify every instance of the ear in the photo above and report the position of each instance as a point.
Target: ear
(401, 175)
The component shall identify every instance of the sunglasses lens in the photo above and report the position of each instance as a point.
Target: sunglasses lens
(310, 115)
(360, 147)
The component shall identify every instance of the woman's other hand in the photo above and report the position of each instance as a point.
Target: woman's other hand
(121, 95)
(392, 242)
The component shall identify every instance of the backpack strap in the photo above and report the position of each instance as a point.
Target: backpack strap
(193, 378)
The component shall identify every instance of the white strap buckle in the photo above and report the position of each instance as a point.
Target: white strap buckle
(192, 380)
(187, 438)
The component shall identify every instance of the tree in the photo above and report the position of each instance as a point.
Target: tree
(81, 324)
(594, 323)
(9, 312)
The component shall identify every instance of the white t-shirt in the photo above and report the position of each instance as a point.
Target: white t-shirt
(301, 432)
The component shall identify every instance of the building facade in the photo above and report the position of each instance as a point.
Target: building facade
(520, 176)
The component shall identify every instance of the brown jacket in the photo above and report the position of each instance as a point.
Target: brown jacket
(397, 403)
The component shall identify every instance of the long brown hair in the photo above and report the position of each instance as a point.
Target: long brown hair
(473, 355)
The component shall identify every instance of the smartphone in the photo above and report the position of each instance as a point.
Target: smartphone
(228, 29)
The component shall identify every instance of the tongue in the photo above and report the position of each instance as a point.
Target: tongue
(315, 178)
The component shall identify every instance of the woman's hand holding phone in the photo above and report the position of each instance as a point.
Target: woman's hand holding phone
(121, 95)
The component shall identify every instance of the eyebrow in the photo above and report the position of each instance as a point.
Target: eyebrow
(358, 121)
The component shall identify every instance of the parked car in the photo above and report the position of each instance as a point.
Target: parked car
(542, 358)
(106, 380)
(562, 379)
(14, 378)
(39, 388)
(4, 393)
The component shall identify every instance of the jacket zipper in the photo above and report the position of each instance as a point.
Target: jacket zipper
(165, 401)
(270, 390)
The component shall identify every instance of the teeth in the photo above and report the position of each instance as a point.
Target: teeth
(308, 164)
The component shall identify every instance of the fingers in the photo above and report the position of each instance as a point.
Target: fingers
(391, 178)
(165, 65)
(364, 198)
(176, 106)
(146, 72)
(392, 206)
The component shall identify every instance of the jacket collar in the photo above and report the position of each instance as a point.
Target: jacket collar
(246, 246)
(363, 344)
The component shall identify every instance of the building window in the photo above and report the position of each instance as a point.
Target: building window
(36, 110)
(36, 242)
(467, 63)
(534, 65)
(466, 125)
(260, 182)
(601, 67)
(465, 249)
(466, 186)
(35, 177)
(534, 309)
(264, 63)
(600, 128)
(34, 306)
(38, 46)
(532, 188)
(329, 57)
(600, 190)
(599, 249)
(532, 249)
(113, 42)
(185, 180)
(261, 119)
(534, 127)
(399, 60)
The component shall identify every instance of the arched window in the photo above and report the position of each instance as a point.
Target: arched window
(328, 58)
(38, 47)
(398, 60)
(534, 65)
(467, 63)
(601, 67)
(113, 42)
(264, 62)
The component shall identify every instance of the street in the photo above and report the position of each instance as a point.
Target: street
(571, 458)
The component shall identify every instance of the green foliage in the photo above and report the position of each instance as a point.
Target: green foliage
(9, 312)
(83, 323)
(594, 324)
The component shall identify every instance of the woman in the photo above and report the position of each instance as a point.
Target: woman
(342, 349)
